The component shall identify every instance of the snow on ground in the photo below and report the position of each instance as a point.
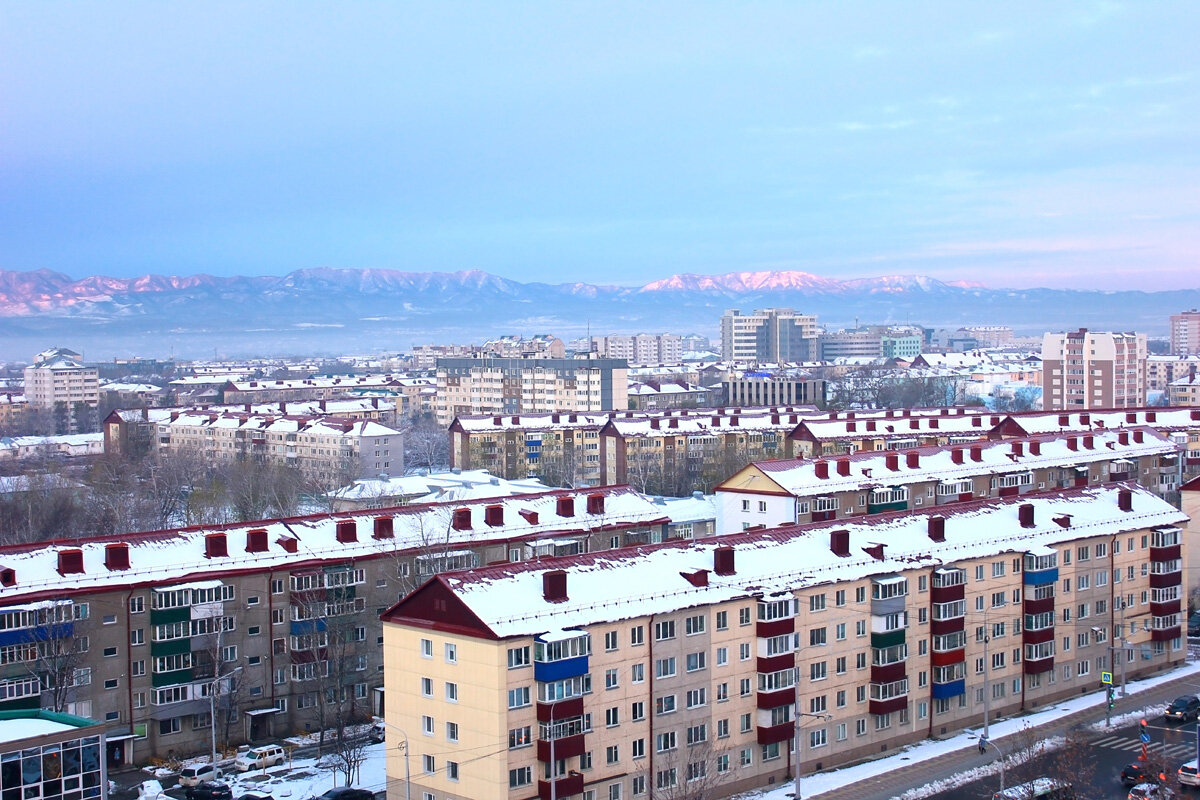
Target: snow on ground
(813, 785)
(303, 778)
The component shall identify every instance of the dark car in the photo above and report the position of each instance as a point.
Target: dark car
(347, 793)
(1193, 624)
(210, 790)
(255, 794)
(1183, 708)
(1133, 774)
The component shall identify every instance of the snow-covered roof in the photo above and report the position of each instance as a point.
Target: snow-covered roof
(634, 582)
(799, 476)
(132, 388)
(441, 487)
(697, 507)
(1166, 418)
(346, 382)
(900, 426)
(318, 426)
(177, 555)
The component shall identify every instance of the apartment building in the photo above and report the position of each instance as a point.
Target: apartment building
(528, 386)
(236, 392)
(1088, 369)
(862, 343)
(639, 348)
(59, 383)
(624, 675)
(652, 394)
(141, 630)
(559, 446)
(1185, 333)
(786, 388)
(319, 446)
(1162, 371)
(990, 335)
(890, 429)
(14, 409)
(774, 335)
(797, 491)
(1185, 391)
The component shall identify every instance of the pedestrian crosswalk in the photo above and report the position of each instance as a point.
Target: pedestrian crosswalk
(1132, 744)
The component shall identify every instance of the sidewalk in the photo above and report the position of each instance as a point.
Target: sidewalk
(932, 761)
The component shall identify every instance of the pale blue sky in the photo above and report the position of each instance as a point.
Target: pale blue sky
(1016, 144)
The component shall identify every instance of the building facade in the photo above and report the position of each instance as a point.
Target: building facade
(529, 386)
(640, 348)
(774, 389)
(1185, 333)
(59, 383)
(774, 335)
(1088, 369)
(679, 668)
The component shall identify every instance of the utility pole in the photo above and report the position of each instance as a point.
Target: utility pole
(1124, 645)
(987, 694)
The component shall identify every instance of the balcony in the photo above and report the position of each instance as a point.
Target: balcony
(1166, 608)
(548, 671)
(560, 709)
(1169, 553)
(1032, 606)
(564, 747)
(1037, 636)
(945, 659)
(944, 691)
(776, 663)
(947, 594)
(1163, 580)
(1043, 577)
(776, 733)
(777, 698)
(888, 673)
(776, 627)
(888, 639)
(888, 706)
(570, 784)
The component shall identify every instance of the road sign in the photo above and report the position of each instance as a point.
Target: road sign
(1106, 678)
(1145, 738)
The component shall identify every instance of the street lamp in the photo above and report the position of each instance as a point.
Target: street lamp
(212, 710)
(984, 741)
(796, 726)
(407, 778)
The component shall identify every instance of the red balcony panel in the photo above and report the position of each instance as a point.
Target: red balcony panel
(566, 786)
(1165, 635)
(888, 706)
(889, 673)
(777, 627)
(1009, 491)
(782, 697)
(1166, 553)
(1032, 606)
(1165, 580)
(776, 663)
(1163, 609)
(823, 516)
(776, 733)
(1037, 637)
(939, 627)
(561, 709)
(945, 659)
(1038, 666)
(566, 747)
(965, 496)
(947, 594)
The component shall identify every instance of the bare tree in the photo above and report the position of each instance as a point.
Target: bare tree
(426, 443)
(700, 770)
(55, 656)
(558, 464)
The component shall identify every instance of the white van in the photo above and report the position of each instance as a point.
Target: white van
(1037, 789)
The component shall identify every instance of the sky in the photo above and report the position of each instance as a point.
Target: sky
(1014, 144)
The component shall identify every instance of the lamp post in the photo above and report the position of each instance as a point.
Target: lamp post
(796, 726)
(987, 694)
(213, 685)
(984, 741)
(407, 778)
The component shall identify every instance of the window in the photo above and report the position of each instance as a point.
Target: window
(816, 637)
(451, 731)
(610, 641)
(744, 687)
(137, 605)
(638, 785)
(664, 630)
(518, 657)
(637, 673)
(665, 742)
(427, 725)
(426, 648)
(744, 616)
(722, 656)
(816, 602)
(722, 620)
(638, 748)
(696, 661)
(429, 764)
(722, 729)
(744, 651)
(451, 653)
(664, 667)
(520, 737)
(427, 687)
(611, 680)
(612, 717)
(697, 734)
(612, 754)
(451, 692)
(746, 723)
(637, 635)
(694, 625)
(696, 697)
(517, 698)
(665, 705)
(522, 776)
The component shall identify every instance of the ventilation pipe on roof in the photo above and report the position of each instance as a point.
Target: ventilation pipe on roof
(976, 452)
(347, 531)
(892, 460)
(839, 542)
(461, 520)
(843, 467)
(116, 556)
(956, 455)
(1025, 515)
(256, 540)
(215, 545)
(821, 467)
(875, 551)
(493, 516)
(554, 586)
(937, 529)
(595, 503)
(1125, 500)
(8, 576)
(1035, 448)
(382, 528)
(565, 506)
(1139, 436)
(913, 459)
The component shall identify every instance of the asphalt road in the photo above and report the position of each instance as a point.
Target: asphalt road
(1106, 754)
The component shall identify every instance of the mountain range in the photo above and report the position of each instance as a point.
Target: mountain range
(330, 310)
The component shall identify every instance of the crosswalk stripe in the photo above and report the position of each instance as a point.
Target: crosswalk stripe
(1107, 740)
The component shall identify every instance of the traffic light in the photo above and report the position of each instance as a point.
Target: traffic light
(1112, 701)
(1144, 725)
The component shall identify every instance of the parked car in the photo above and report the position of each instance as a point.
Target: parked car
(377, 732)
(152, 790)
(254, 794)
(1134, 774)
(1193, 624)
(1151, 791)
(1189, 773)
(347, 793)
(1183, 708)
(190, 776)
(267, 755)
(209, 790)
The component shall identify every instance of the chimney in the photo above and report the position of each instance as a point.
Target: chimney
(1072, 443)
(871, 426)
(461, 520)
(116, 556)
(70, 561)
(215, 545)
(1151, 416)
(716, 422)
(723, 560)
(822, 468)
(1123, 437)
(892, 460)
(995, 421)
(976, 452)
(1025, 514)
(734, 420)
(1035, 448)
(937, 529)
(572, 418)
(654, 424)
(843, 467)
(1139, 436)
(554, 586)
(914, 423)
(1064, 420)
(595, 503)
(1125, 500)
(699, 578)
(1195, 415)
(913, 458)
(516, 420)
(382, 528)
(554, 418)
(774, 419)
(1085, 419)
(956, 455)
(565, 507)
(290, 544)
(256, 540)
(976, 422)
(1131, 417)
(496, 420)
(673, 423)
(851, 427)
(493, 516)
(530, 517)
(933, 422)
(347, 531)
(1018, 449)
(839, 542)
(1089, 442)
(8, 576)
(875, 551)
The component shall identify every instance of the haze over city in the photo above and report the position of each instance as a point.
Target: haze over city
(1016, 145)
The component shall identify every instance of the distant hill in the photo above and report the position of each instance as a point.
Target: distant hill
(362, 310)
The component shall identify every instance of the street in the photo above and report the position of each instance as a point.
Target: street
(1107, 753)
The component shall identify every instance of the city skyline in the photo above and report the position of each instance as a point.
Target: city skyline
(612, 144)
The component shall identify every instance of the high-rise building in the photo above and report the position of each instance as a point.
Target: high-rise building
(639, 348)
(59, 382)
(1185, 333)
(1089, 369)
(768, 335)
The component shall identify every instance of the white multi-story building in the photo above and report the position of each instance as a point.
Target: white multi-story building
(640, 348)
(59, 382)
(1088, 369)
(768, 335)
(1185, 333)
